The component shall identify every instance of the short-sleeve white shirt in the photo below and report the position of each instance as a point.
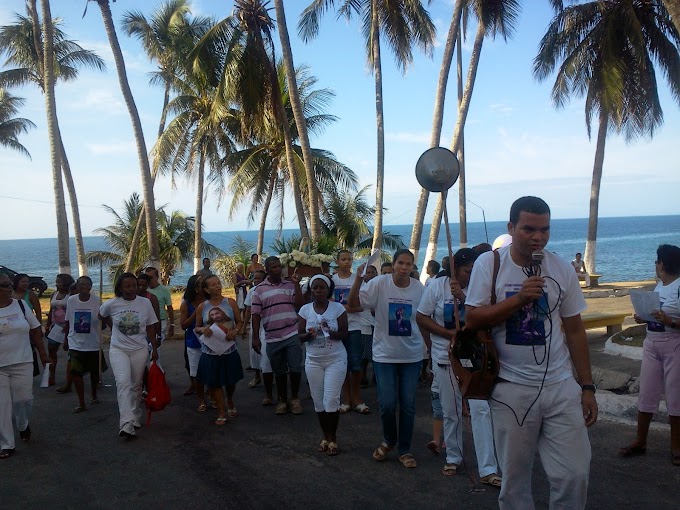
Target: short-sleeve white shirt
(130, 319)
(83, 322)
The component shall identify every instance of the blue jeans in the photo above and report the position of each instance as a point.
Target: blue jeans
(397, 383)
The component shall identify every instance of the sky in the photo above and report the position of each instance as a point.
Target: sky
(516, 142)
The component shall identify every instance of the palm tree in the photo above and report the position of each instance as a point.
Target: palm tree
(259, 172)
(403, 23)
(299, 116)
(167, 37)
(10, 126)
(607, 51)
(23, 44)
(147, 182)
(494, 17)
(200, 134)
(175, 234)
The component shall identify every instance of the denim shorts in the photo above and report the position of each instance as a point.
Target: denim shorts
(285, 355)
(354, 346)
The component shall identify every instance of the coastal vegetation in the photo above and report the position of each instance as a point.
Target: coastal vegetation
(238, 117)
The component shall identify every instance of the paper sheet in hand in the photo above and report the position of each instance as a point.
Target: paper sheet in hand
(45, 379)
(644, 303)
(217, 342)
(375, 256)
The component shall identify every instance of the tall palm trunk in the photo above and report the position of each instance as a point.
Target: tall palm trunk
(141, 223)
(462, 205)
(591, 242)
(75, 212)
(147, 183)
(301, 123)
(380, 128)
(198, 229)
(673, 8)
(53, 132)
(437, 121)
(457, 135)
(265, 211)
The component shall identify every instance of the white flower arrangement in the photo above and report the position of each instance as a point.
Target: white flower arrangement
(297, 257)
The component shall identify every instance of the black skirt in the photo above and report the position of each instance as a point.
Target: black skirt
(218, 371)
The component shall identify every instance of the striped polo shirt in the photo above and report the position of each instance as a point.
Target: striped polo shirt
(275, 304)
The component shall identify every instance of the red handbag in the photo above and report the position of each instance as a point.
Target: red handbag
(158, 395)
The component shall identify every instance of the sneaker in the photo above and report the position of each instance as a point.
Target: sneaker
(282, 408)
(128, 430)
(296, 406)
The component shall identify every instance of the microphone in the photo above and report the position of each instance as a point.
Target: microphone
(534, 268)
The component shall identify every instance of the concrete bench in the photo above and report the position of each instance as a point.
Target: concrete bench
(612, 321)
(594, 280)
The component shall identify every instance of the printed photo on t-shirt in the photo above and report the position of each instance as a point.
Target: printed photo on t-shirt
(82, 321)
(526, 326)
(448, 316)
(340, 295)
(129, 323)
(399, 322)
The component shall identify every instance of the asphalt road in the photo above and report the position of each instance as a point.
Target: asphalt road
(259, 460)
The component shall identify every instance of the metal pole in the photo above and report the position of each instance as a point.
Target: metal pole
(452, 267)
(101, 338)
(486, 232)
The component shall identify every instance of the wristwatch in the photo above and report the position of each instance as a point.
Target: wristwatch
(589, 387)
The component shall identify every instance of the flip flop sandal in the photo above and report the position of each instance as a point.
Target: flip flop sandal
(232, 413)
(381, 452)
(449, 469)
(188, 392)
(79, 409)
(267, 401)
(202, 408)
(220, 421)
(492, 479)
(632, 450)
(432, 446)
(344, 408)
(64, 389)
(323, 446)
(362, 409)
(95, 401)
(333, 449)
(25, 434)
(254, 383)
(7, 453)
(407, 460)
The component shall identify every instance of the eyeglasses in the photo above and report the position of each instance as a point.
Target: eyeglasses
(6, 285)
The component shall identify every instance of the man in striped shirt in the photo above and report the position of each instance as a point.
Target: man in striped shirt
(275, 305)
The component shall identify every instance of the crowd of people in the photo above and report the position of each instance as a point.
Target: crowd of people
(332, 326)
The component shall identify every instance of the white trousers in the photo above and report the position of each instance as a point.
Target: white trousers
(325, 381)
(255, 358)
(128, 370)
(555, 427)
(482, 430)
(16, 401)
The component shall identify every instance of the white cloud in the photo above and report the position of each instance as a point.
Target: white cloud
(102, 100)
(501, 108)
(112, 148)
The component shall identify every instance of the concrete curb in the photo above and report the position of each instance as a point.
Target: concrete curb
(628, 351)
(623, 409)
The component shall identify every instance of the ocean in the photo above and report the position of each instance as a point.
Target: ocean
(626, 247)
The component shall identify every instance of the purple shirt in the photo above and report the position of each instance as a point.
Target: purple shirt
(275, 304)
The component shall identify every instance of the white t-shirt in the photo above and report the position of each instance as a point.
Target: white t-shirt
(15, 340)
(323, 347)
(130, 319)
(522, 340)
(340, 295)
(84, 326)
(366, 321)
(669, 295)
(437, 302)
(396, 337)
(248, 301)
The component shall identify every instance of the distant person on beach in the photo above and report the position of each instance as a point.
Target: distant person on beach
(54, 327)
(254, 266)
(660, 371)
(275, 306)
(397, 351)
(536, 405)
(132, 320)
(219, 370)
(83, 340)
(164, 302)
(205, 271)
(580, 267)
(19, 330)
(323, 325)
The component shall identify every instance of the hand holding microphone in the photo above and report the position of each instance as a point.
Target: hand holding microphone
(532, 288)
